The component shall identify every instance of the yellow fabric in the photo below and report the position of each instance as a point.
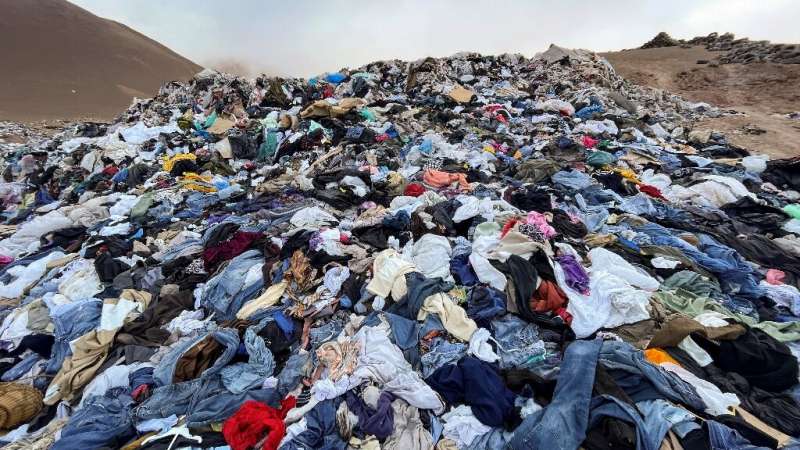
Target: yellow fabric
(198, 183)
(270, 297)
(168, 163)
(453, 317)
(628, 174)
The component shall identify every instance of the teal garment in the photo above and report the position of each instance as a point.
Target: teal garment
(268, 148)
(600, 158)
(210, 120)
(792, 210)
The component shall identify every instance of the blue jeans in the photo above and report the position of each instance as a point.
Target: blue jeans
(562, 425)
(722, 437)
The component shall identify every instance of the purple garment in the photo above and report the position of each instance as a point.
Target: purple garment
(378, 422)
(577, 278)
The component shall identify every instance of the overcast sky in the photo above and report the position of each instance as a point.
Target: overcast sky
(308, 37)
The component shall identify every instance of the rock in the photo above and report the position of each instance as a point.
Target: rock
(662, 39)
(699, 136)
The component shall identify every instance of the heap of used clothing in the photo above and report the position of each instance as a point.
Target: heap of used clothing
(462, 253)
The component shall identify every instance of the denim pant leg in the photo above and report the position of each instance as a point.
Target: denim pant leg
(562, 425)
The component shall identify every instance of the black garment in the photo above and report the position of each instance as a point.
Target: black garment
(525, 278)
(146, 329)
(108, 267)
(182, 166)
(610, 432)
(761, 359)
(696, 440)
(761, 249)
(529, 198)
(443, 214)
(778, 410)
(41, 344)
(220, 234)
(766, 218)
(114, 245)
(563, 225)
(783, 172)
(749, 432)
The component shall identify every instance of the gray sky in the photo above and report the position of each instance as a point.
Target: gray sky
(308, 37)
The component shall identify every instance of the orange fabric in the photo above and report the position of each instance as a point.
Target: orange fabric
(437, 178)
(658, 356)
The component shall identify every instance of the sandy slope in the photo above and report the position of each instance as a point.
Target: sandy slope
(61, 61)
(764, 93)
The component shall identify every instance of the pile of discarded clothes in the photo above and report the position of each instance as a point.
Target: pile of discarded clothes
(473, 252)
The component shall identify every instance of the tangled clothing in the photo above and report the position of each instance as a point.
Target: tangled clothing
(717, 402)
(678, 328)
(516, 243)
(226, 250)
(612, 302)
(563, 424)
(340, 358)
(252, 421)
(692, 305)
(146, 329)
(377, 421)
(104, 421)
(762, 360)
(90, 350)
(382, 362)
(408, 432)
(606, 261)
(270, 297)
(439, 179)
(452, 316)
(479, 385)
(388, 275)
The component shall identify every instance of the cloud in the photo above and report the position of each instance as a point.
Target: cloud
(307, 37)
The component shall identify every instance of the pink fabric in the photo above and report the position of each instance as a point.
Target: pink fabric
(589, 142)
(538, 219)
(775, 276)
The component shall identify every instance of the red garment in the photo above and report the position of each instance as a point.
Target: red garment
(507, 227)
(327, 92)
(229, 249)
(253, 420)
(382, 137)
(141, 393)
(110, 170)
(589, 142)
(548, 297)
(652, 191)
(414, 190)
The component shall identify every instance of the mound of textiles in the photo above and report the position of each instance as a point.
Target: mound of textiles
(473, 252)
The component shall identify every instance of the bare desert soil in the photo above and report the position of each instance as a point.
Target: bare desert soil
(60, 61)
(764, 93)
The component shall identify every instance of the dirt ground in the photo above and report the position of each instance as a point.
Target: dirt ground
(59, 61)
(763, 93)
